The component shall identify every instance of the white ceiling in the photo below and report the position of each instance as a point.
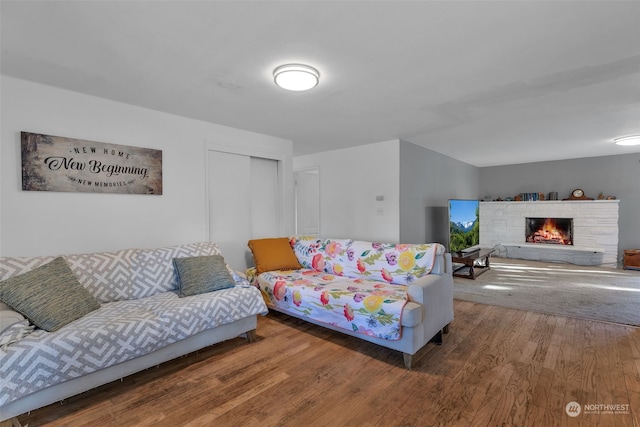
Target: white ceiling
(485, 82)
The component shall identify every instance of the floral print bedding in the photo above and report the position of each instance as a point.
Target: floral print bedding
(360, 305)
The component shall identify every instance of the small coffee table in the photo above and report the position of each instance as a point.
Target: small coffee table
(477, 262)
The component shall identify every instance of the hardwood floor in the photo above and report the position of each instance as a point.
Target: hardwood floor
(497, 367)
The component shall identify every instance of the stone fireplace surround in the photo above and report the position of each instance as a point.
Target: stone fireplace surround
(595, 230)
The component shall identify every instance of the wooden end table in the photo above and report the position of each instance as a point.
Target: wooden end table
(477, 261)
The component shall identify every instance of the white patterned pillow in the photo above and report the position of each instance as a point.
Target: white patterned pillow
(108, 276)
(15, 266)
(154, 270)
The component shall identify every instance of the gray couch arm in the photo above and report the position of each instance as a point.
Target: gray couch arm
(435, 293)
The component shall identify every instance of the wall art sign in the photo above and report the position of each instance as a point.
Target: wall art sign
(56, 163)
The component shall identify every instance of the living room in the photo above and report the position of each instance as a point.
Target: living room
(46, 90)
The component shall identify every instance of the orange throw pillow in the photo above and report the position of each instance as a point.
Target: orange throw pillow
(273, 254)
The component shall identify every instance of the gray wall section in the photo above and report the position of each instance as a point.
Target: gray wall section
(617, 176)
(427, 181)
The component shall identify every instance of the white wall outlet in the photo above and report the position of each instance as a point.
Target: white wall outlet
(380, 211)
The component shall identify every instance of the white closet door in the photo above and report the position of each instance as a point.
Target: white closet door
(243, 203)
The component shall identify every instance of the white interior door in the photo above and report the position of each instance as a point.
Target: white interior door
(243, 203)
(307, 185)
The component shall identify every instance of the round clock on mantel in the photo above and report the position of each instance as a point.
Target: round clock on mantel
(578, 194)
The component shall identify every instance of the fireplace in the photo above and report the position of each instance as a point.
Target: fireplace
(554, 231)
(594, 235)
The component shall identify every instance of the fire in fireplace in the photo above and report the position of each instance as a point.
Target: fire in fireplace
(555, 231)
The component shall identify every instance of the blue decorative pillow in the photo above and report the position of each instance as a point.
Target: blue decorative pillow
(200, 274)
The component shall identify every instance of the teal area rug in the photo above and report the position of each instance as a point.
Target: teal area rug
(594, 293)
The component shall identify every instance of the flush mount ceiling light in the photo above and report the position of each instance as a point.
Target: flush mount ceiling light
(628, 140)
(296, 77)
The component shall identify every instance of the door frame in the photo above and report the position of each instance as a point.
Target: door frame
(295, 197)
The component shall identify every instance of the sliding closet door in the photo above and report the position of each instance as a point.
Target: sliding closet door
(243, 203)
(264, 198)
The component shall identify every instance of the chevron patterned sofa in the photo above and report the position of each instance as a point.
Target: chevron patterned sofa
(141, 322)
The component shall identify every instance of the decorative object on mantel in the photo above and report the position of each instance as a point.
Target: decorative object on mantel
(56, 163)
(553, 195)
(631, 259)
(529, 197)
(578, 194)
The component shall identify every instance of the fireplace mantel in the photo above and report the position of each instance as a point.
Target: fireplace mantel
(595, 230)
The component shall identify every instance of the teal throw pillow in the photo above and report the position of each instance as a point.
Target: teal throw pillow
(200, 274)
(49, 296)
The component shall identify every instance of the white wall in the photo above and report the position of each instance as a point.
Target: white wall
(427, 181)
(37, 223)
(612, 175)
(350, 180)
(409, 177)
(1, 176)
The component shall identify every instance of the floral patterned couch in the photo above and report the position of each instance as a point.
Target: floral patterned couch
(399, 296)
